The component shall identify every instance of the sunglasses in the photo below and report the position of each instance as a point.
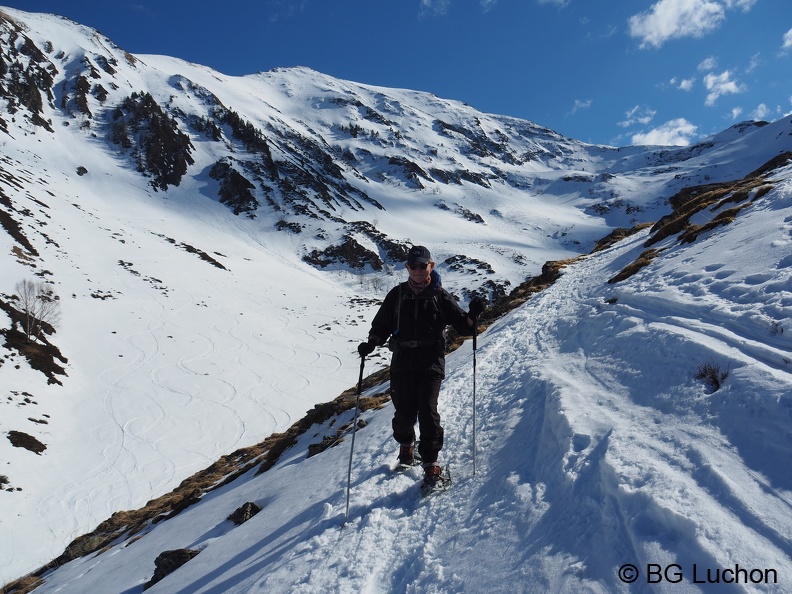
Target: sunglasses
(417, 265)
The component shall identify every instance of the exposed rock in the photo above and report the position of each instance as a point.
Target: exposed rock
(244, 513)
(168, 562)
(348, 252)
(159, 147)
(235, 188)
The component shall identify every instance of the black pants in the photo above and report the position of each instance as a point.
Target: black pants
(414, 393)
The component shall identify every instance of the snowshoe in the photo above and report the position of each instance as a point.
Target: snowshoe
(408, 457)
(436, 480)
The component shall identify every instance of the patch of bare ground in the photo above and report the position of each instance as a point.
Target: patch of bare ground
(643, 260)
(20, 439)
(617, 235)
(40, 353)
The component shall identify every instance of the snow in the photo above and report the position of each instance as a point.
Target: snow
(596, 446)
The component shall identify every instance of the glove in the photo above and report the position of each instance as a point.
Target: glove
(366, 348)
(476, 307)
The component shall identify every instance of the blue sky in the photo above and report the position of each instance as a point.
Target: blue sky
(615, 72)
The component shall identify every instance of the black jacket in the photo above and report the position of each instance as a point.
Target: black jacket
(416, 325)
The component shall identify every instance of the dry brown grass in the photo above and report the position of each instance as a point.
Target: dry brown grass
(617, 235)
(22, 586)
(689, 201)
(686, 203)
(644, 259)
(711, 374)
(722, 218)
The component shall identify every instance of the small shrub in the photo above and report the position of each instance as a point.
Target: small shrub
(711, 374)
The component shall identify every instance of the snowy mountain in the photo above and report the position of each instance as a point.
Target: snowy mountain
(219, 244)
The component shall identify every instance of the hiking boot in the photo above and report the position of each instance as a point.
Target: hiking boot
(432, 473)
(407, 454)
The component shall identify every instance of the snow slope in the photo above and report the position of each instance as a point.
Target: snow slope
(596, 448)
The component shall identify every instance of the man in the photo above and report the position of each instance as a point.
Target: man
(414, 316)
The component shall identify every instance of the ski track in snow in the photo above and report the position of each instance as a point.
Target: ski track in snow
(144, 398)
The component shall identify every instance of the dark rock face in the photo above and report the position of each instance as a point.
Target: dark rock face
(167, 562)
(244, 513)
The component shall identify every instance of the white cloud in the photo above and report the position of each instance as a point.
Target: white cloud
(685, 84)
(736, 112)
(283, 9)
(787, 45)
(580, 104)
(746, 5)
(761, 112)
(487, 4)
(669, 19)
(720, 84)
(638, 115)
(434, 7)
(678, 132)
(755, 62)
(145, 11)
(707, 64)
(559, 3)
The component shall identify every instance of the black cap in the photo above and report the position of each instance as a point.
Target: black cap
(418, 253)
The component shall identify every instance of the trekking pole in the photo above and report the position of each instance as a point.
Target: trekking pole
(354, 431)
(475, 332)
